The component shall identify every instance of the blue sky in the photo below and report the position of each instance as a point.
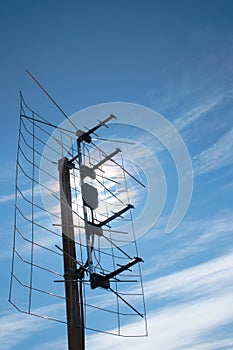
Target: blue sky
(176, 58)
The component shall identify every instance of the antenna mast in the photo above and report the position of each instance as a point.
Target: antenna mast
(96, 259)
(73, 287)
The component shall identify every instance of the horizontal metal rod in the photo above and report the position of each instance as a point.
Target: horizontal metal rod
(116, 215)
(124, 267)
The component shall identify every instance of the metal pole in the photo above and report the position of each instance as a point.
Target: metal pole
(73, 289)
(88, 237)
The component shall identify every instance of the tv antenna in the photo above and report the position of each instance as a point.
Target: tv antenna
(72, 204)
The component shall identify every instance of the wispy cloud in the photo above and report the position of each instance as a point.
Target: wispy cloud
(184, 326)
(27, 192)
(217, 229)
(60, 344)
(200, 280)
(215, 157)
(17, 327)
(199, 296)
(7, 198)
(170, 332)
(197, 112)
(192, 239)
(205, 293)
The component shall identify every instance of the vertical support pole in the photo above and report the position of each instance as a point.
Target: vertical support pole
(88, 238)
(73, 289)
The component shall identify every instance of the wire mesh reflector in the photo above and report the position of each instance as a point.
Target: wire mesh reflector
(37, 280)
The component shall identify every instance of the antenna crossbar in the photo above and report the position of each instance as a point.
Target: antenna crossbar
(114, 216)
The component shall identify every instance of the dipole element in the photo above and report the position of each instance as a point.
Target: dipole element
(73, 288)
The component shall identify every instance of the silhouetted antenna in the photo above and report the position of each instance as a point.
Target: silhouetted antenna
(72, 204)
(50, 97)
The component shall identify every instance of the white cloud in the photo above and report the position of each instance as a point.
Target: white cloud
(183, 326)
(205, 292)
(60, 344)
(199, 302)
(191, 239)
(197, 112)
(215, 157)
(7, 198)
(203, 279)
(219, 229)
(215, 344)
(17, 327)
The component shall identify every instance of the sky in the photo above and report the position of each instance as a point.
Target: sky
(174, 57)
